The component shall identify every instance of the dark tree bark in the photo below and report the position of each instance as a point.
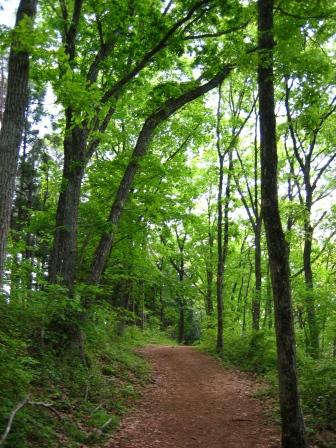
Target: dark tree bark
(3, 88)
(181, 324)
(180, 268)
(63, 254)
(268, 323)
(226, 213)
(293, 429)
(64, 251)
(220, 261)
(222, 224)
(235, 284)
(223, 243)
(258, 278)
(145, 137)
(246, 295)
(13, 124)
(257, 242)
(209, 308)
(314, 343)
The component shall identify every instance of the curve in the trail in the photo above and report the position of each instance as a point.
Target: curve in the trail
(194, 402)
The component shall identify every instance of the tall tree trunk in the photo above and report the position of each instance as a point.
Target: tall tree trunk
(222, 225)
(268, 303)
(309, 186)
(13, 123)
(208, 299)
(245, 299)
(64, 252)
(209, 267)
(3, 88)
(258, 277)
(220, 261)
(181, 322)
(313, 342)
(293, 429)
(257, 238)
(240, 293)
(226, 225)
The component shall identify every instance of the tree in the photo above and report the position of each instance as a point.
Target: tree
(314, 160)
(14, 116)
(293, 429)
(222, 221)
(118, 57)
(165, 110)
(251, 201)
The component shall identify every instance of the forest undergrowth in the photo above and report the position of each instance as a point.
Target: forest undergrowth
(68, 402)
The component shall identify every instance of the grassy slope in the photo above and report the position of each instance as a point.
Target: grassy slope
(87, 401)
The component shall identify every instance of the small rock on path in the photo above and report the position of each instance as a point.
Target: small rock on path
(194, 402)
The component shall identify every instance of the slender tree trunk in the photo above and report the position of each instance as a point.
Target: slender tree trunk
(258, 277)
(13, 123)
(268, 303)
(305, 166)
(162, 308)
(208, 299)
(181, 299)
(246, 295)
(181, 322)
(257, 238)
(234, 286)
(220, 261)
(209, 269)
(313, 347)
(245, 300)
(240, 292)
(293, 429)
(223, 243)
(3, 88)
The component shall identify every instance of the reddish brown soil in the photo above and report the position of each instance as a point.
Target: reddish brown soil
(194, 402)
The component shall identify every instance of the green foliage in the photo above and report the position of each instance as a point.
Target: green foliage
(252, 351)
(318, 386)
(40, 357)
(151, 277)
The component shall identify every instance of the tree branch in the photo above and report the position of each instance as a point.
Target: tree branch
(219, 33)
(300, 271)
(329, 15)
(322, 170)
(151, 53)
(291, 127)
(11, 418)
(19, 406)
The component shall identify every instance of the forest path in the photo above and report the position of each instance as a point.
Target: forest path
(194, 402)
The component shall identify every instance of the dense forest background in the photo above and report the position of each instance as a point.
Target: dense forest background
(134, 199)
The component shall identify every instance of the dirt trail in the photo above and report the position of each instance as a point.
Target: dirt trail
(193, 402)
